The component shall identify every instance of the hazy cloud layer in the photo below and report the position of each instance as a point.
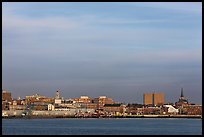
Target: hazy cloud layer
(121, 50)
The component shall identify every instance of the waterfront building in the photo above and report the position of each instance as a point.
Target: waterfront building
(134, 109)
(17, 104)
(151, 111)
(113, 108)
(17, 107)
(169, 109)
(192, 109)
(139, 111)
(40, 107)
(5, 105)
(153, 99)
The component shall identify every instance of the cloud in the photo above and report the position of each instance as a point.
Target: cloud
(184, 7)
(95, 52)
(31, 25)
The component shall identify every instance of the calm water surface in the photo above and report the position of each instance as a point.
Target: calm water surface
(141, 126)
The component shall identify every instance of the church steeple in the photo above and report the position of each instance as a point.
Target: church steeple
(182, 98)
(182, 93)
(57, 96)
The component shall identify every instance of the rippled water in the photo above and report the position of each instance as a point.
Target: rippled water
(67, 126)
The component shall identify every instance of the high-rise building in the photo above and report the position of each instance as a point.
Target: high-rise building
(158, 98)
(147, 98)
(153, 99)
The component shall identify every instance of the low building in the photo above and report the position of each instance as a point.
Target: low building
(38, 98)
(113, 108)
(101, 101)
(90, 105)
(192, 110)
(169, 109)
(5, 105)
(152, 110)
(17, 107)
(82, 99)
(134, 109)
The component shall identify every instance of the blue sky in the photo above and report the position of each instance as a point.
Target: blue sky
(118, 49)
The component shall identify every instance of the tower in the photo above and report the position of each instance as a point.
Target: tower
(57, 96)
(182, 98)
(153, 100)
(182, 93)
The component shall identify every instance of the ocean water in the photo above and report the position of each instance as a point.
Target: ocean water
(112, 126)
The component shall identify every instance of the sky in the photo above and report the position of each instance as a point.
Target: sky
(117, 49)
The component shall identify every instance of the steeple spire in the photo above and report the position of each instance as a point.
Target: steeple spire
(182, 92)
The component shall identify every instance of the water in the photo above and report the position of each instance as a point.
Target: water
(68, 126)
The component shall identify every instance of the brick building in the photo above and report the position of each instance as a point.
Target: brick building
(101, 101)
(6, 100)
(153, 99)
(113, 108)
(6, 96)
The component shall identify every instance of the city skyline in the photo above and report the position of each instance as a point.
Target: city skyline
(158, 94)
(120, 50)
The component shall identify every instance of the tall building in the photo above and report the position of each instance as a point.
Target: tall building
(6, 100)
(6, 96)
(153, 98)
(158, 98)
(147, 98)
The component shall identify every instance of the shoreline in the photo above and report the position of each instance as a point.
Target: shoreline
(101, 117)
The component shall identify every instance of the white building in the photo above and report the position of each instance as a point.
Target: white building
(102, 97)
(58, 101)
(51, 107)
(171, 109)
(84, 97)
